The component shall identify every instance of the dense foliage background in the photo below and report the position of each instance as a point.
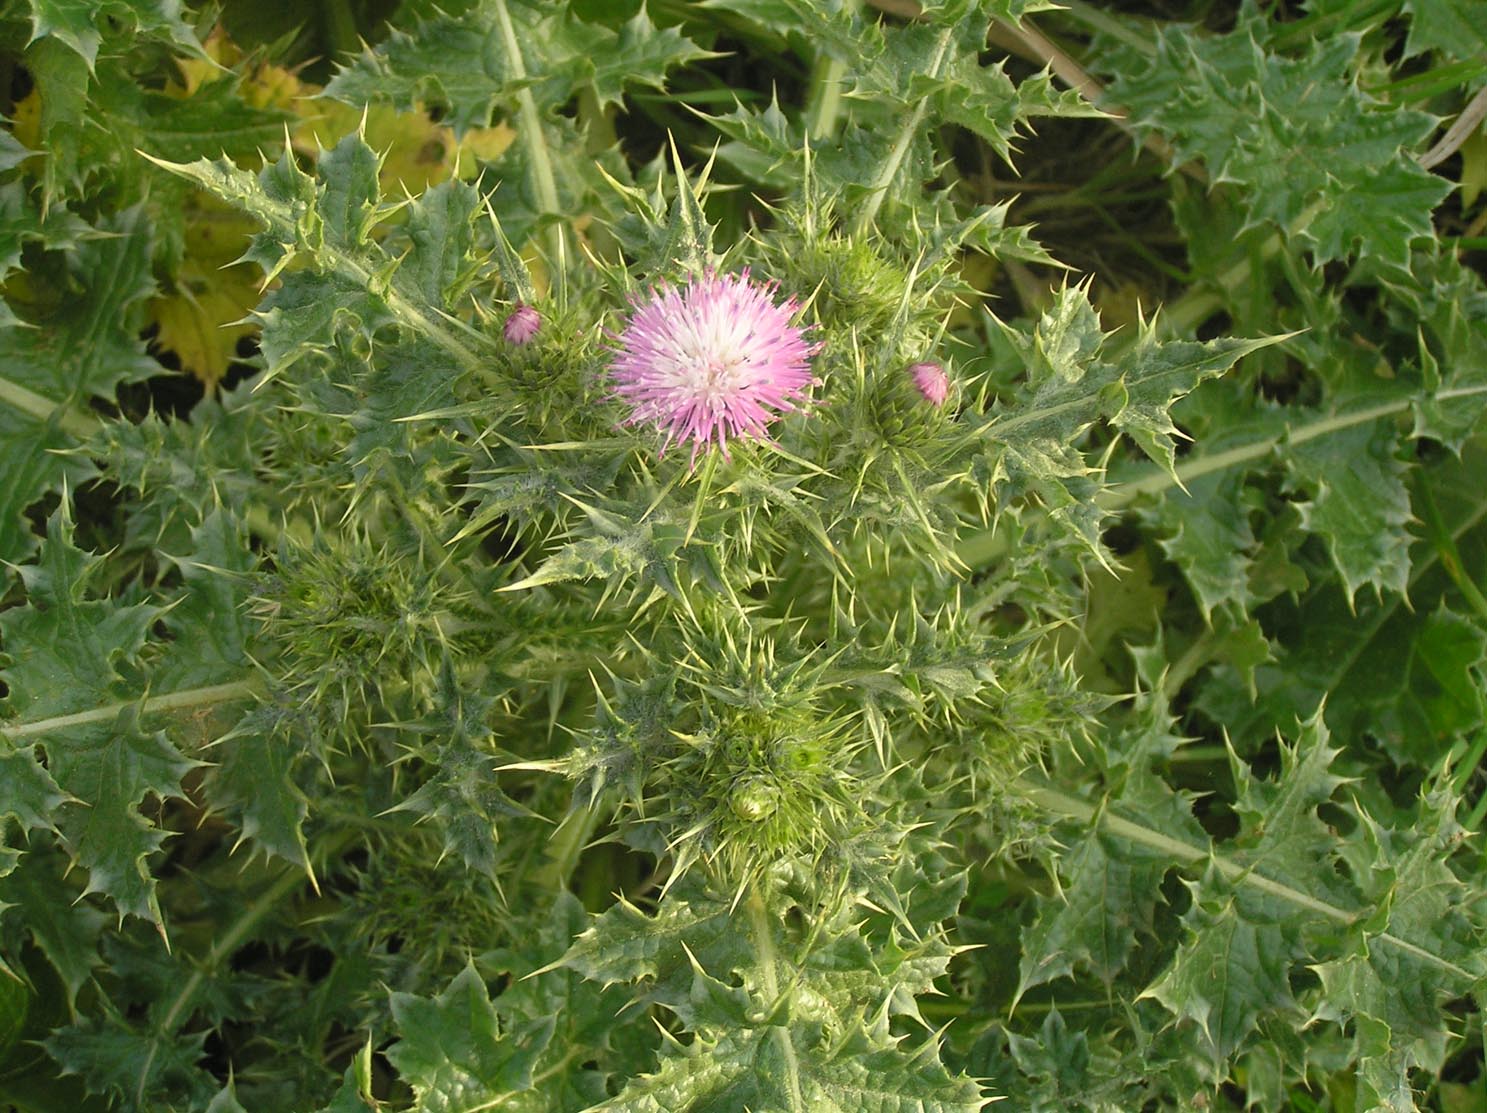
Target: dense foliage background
(383, 725)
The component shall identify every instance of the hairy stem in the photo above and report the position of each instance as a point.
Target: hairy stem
(173, 701)
(1444, 545)
(1186, 854)
(74, 422)
(826, 91)
(1114, 498)
(222, 950)
(868, 214)
(544, 185)
(764, 944)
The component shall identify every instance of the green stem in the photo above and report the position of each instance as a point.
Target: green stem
(826, 90)
(764, 943)
(43, 409)
(1186, 854)
(891, 166)
(1091, 16)
(1190, 662)
(174, 701)
(1478, 813)
(1196, 306)
(1114, 498)
(951, 1009)
(1470, 760)
(1351, 16)
(1197, 754)
(544, 185)
(1445, 547)
(227, 943)
(565, 848)
(340, 28)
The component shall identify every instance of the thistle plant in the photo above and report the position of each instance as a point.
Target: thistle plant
(728, 609)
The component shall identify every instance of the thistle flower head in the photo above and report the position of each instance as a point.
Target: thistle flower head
(521, 325)
(931, 382)
(713, 359)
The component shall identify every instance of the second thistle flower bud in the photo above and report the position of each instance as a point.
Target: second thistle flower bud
(908, 403)
(522, 325)
(931, 382)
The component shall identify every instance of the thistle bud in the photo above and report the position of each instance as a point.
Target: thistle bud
(931, 382)
(522, 325)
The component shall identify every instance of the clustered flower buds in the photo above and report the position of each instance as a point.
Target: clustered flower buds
(931, 382)
(522, 325)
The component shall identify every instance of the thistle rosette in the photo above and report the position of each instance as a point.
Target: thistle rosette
(713, 359)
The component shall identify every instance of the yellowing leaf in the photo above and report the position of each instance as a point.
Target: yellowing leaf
(200, 312)
(25, 119)
(418, 153)
(203, 319)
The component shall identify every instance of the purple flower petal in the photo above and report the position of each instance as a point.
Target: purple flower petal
(713, 359)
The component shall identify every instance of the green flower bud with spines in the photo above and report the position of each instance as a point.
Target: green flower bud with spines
(902, 412)
(728, 761)
(349, 624)
(555, 376)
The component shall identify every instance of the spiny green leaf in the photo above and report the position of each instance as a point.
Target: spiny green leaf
(1287, 130)
(1212, 541)
(1233, 966)
(462, 797)
(1393, 995)
(226, 1101)
(66, 652)
(82, 349)
(1073, 382)
(75, 22)
(253, 780)
(453, 1052)
(1360, 504)
(66, 930)
(355, 1092)
(586, 1014)
(1457, 28)
(114, 1059)
(1399, 674)
(328, 223)
(118, 767)
(440, 229)
(464, 64)
(783, 1069)
(1055, 1053)
(27, 791)
(209, 623)
(1111, 887)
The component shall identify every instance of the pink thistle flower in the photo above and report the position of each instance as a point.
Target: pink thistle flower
(931, 382)
(522, 325)
(713, 359)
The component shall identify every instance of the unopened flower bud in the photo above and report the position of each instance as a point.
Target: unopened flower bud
(931, 382)
(522, 325)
